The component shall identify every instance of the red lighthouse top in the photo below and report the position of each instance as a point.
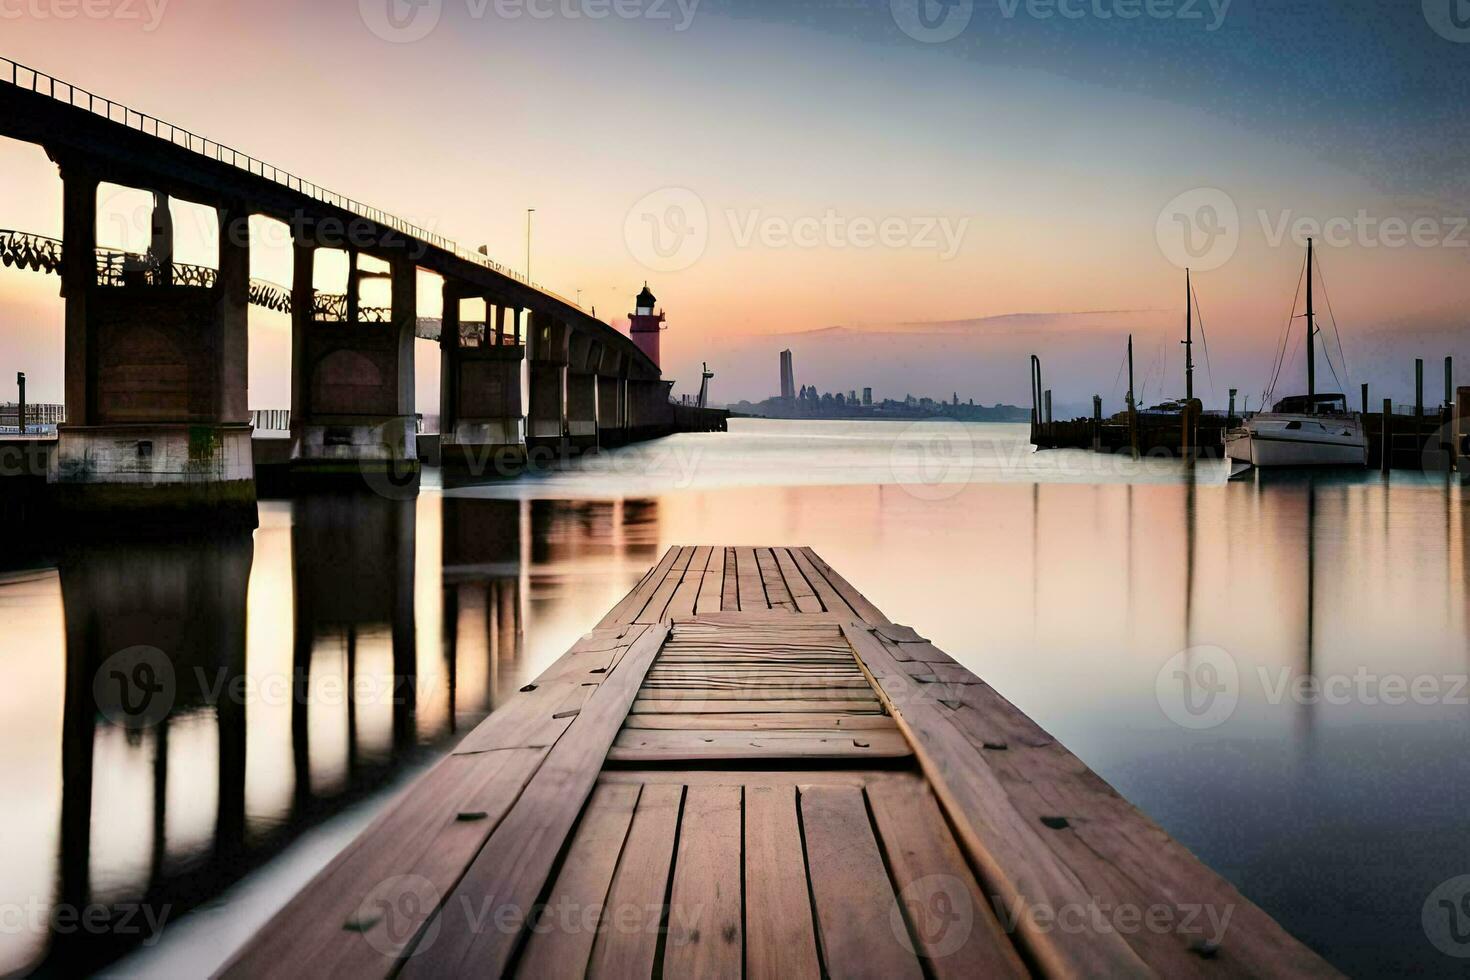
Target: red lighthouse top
(645, 324)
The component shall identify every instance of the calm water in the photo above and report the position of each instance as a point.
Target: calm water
(1086, 590)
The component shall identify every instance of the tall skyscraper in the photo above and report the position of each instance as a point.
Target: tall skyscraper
(867, 396)
(788, 377)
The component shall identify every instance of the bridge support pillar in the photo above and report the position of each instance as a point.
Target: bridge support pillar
(547, 425)
(611, 419)
(650, 413)
(482, 430)
(582, 410)
(155, 377)
(352, 395)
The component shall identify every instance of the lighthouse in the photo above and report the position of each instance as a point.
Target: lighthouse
(646, 324)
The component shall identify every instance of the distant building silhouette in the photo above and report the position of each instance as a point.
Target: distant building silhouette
(788, 376)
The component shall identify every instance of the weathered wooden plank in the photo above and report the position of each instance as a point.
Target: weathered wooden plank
(730, 590)
(706, 922)
(832, 601)
(869, 612)
(1120, 854)
(801, 590)
(753, 776)
(777, 593)
(811, 696)
(561, 942)
(627, 945)
(632, 604)
(642, 745)
(686, 595)
(512, 868)
(951, 923)
(681, 705)
(780, 940)
(658, 603)
(787, 721)
(752, 589)
(1021, 871)
(712, 585)
(356, 916)
(854, 899)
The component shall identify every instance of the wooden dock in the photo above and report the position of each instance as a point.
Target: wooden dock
(746, 768)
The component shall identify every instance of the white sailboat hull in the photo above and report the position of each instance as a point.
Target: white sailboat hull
(1275, 440)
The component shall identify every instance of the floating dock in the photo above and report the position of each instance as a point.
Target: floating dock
(747, 769)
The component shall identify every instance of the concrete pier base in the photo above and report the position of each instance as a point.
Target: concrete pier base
(143, 472)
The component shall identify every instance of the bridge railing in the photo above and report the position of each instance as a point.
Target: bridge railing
(25, 77)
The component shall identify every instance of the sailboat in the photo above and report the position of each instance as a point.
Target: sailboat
(1315, 429)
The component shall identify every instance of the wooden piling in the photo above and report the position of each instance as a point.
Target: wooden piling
(1418, 397)
(1387, 434)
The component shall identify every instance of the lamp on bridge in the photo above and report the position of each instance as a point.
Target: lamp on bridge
(646, 324)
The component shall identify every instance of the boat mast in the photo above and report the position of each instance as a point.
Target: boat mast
(1188, 340)
(1311, 338)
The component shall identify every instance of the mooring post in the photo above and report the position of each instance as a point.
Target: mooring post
(1387, 434)
(1447, 414)
(20, 412)
(1418, 402)
(1097, 423)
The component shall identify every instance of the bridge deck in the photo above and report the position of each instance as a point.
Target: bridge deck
(746, 768)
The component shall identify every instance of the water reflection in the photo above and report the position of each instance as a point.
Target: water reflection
(366, 635)
(217, 697)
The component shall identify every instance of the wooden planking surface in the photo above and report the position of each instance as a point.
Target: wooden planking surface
(703, 579)
(835, 767)
(708, 671)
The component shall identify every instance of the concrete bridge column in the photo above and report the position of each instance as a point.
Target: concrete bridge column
(352, 392)
(582, 410)
(650, 413)
(584, 357)
(155, 375)
(548, 380)
(482, 428)
(610, 428)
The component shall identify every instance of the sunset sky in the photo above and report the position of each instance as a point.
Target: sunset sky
(1031, 164)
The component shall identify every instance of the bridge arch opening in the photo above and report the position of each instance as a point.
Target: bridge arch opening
(271, 271)
(32, 313)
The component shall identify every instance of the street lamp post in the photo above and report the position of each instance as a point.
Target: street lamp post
(529, 212)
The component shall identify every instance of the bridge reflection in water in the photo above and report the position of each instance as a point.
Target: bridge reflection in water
(222, 695)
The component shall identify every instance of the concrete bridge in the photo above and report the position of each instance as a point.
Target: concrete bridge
(155, 351)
